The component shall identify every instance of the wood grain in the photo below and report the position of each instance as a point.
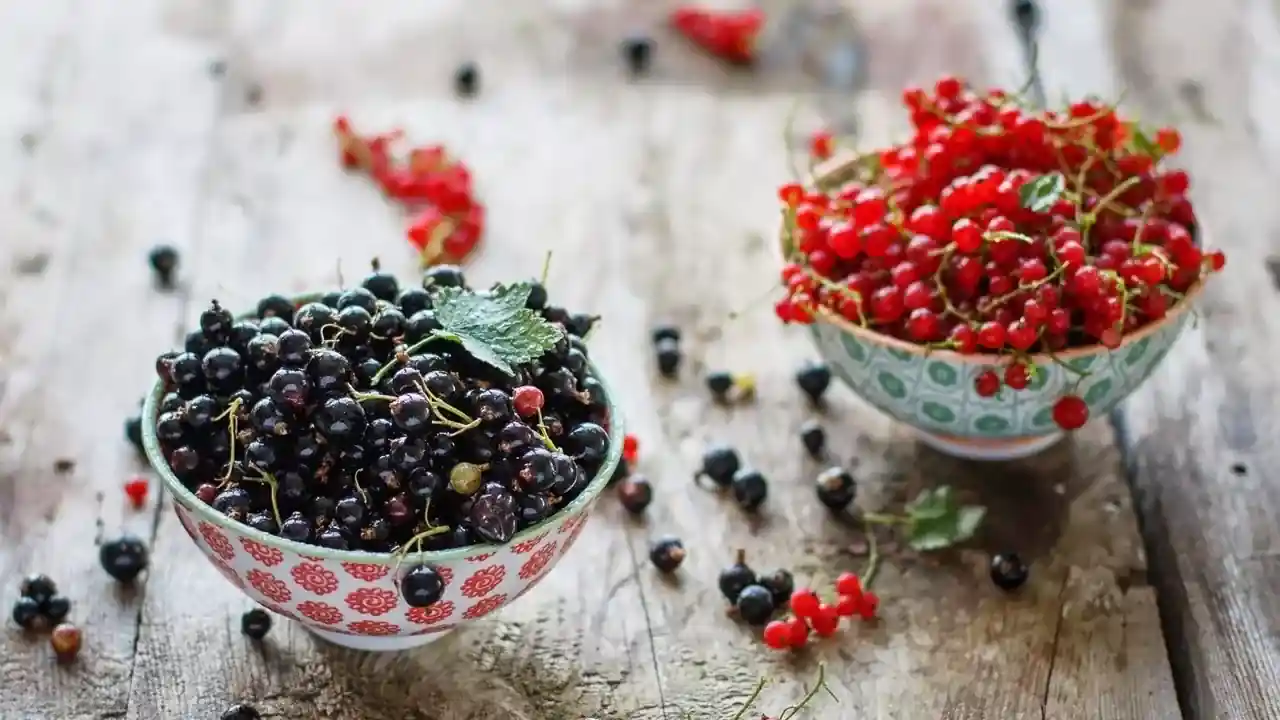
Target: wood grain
(1198, 445)
(655, 197)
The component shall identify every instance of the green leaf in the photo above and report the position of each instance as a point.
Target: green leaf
(1142, 143)
(935, 521)
(1040, 194)
(495, 327)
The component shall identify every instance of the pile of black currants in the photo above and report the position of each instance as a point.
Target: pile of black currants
(349, 423)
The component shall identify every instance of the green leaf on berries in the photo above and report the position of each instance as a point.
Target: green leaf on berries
(1040, 194)
(935, 520)
(1142, 143)
(495, 327)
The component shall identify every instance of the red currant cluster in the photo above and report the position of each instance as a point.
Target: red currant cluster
(727, 34)
(809, 613)
(447, 223)
(998, 230)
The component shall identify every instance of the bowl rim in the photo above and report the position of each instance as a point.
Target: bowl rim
(179, 492)
(843, 163)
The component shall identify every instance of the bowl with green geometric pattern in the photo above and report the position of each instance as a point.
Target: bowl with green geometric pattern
(933, 391)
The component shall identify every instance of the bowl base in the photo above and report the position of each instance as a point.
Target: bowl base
(989, 448)
(372, 643)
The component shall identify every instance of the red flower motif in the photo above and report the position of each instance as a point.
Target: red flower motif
(484, 581)
(216, 541)
(312, 558)
(527, 545)
(371, 601)
(573, 524)
(537, 561)
(568, 543)
(269, 585)
(373, 627)
(446, 574)
(264, 554)
(369, 572)
(313, 577)
(479, 558)
(431, 614)
(227, 572)
(485, 606)
(323, 613)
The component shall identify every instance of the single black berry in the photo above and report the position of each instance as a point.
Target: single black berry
(667, 553)
(274, 325)
(56, 608)
(358, 297)
(215, 322)
(241, 712)
(635, 493)
(665, 332)
(413, 300)
(1008, 571)
(221, 366)
(813, 378)
(493, 514)
(275, 306)
(123, 558)
(382, 285)
(814, 439)
(26, 613)
(667, 352)
(637, 51)
(38, 587)
(1026, 13)
(537, 296)
(438, 276)
(421, 586)
(466, 79)
(296, 527)
(735, 577)
(755, 605)
(133, 432)
(836, 488)
(255, 623)
(164, 262)
(587, 442)
(719, 463)
(750, 488)
(780, 584)
(293, 348)
(719, 383)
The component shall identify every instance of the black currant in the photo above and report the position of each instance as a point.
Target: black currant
(38, 587)
(312, 318)
(755, 605)
(580, 324)
(296, 527)
(263, 521)
(444, 385)
(381, 285)
(268, 419)
(293, 348)
(750, 488)
(420, 325)
(26, 613)
(637, 51)
(332, 537)
(388, 323)
(349, 511)
(813, 378)
(241, 712)
(735, 577)
(667, 553)
(186, 369)
(197, 344)
(719, 464)
(780, 584)
(466, 79)
(422, 586)
(836, 488)
(412, 300)
(329, 371)
(215, 322)
(169, 427)
(123, 558)
(56, 609)
(635, 493)
(276, 306)
(537, 296)
(222, 366)
(274, 325)
(667, 352)
(569, 475)
(255, 623)
(262, 454)
(289, 388)
(424, 484)
(199, 411)
(443, 276)
(814, 439)
(587, 442)
(493, 514)
(233, 501)
(164, 261)
(719, 383)
(1008, 571)
(241, 333)
(492, 406)
(411, 412)
(133, 432)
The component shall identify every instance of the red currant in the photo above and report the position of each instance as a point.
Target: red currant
(804, 603)
(987, 383)
(136, 490)
(777, 635)
(1070, 412)
(527, 400)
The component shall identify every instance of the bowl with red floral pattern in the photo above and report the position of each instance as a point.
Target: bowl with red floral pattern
(353, 598)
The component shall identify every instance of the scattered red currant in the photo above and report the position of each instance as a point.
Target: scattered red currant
(630, 447)
(1070, 412)
(136, 490)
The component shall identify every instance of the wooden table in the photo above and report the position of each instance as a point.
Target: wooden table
(206, 124)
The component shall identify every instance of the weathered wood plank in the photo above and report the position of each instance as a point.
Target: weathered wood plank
(103, 129)
(1203, 468)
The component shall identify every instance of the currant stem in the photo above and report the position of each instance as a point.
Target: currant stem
(542, 432)
(270, 480)
(231, 413)
(873, 560)
(751, 700)
(546, 269)
(382, 371)
(885, 519)
(362, 397)
(820, 684)
(437, 402)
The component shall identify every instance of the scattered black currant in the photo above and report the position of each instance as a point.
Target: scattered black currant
(813, 378)
(750, 488)
(466, 79)
(133, 432)
(719, 464)
(56, 609)
(719, 383)
(814, 439)
(123, 558)
(255, 623)
(780, 584)
(26, 613)
(735, 577)
(164, 262)
(755, 605)
(241, 712)
(38, 587)
(667, 553)
(668, 354)
(421, 586)
(836, 488)
(1008, 571)
(635, 493)
(665, 332)
(637, 51)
